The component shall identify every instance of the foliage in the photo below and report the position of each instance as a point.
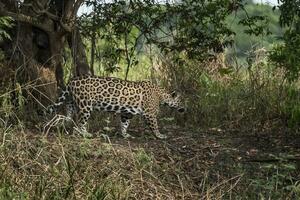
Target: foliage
(289, 13)
(119, 37)
(196, 28)
(279, 183)
(257, 24)
(286, 55)
(291, 108)
(5, 23)
(200, 29)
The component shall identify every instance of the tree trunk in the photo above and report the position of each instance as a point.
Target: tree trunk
(78, 54)
(93, 46)
(57, 45)
(39, 37)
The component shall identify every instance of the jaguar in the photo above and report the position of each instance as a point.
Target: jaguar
(85, 94)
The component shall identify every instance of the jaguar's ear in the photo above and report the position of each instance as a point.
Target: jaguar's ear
(173, 94)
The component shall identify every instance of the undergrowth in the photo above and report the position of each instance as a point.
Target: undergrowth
(188, 165)
(251, 95)
(35, 166)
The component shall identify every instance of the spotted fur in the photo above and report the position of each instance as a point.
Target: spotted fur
(86, 94)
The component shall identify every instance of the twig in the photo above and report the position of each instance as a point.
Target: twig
(6, 129)
(181, 185)
(238, 177)
(108, 139)
(55, 121)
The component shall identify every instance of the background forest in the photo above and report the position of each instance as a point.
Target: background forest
(235, 62)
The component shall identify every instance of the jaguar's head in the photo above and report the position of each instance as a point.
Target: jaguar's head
(174, 100)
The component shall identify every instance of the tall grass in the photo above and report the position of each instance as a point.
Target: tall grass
(226, 95)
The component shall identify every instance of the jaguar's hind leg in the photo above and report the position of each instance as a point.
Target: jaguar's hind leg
(125, 120)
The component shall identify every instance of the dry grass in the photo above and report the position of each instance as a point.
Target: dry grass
(36, 166)
(72, 167)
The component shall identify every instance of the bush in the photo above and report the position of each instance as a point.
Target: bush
(286, 55)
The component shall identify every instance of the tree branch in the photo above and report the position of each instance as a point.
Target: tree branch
(27, 19)
(44, 11)
(70, 11)
(76, 6)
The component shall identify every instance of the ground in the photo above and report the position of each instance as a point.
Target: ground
(191, 164)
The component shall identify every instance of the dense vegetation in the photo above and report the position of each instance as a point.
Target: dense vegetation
(236, 64)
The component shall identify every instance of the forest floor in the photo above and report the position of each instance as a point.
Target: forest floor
(190, 164)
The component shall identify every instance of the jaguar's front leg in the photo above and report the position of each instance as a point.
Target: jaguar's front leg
(152, 122)
(70, 110)
(84, 116)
